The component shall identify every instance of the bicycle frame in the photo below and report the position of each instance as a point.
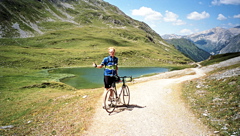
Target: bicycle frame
(123, 85)
(111, 102)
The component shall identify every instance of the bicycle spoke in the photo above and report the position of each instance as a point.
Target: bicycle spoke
(110, 101)
(126, 95)
(111, 97)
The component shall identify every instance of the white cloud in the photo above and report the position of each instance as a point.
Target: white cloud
(236, 16)
(143, 11)
(221, 17)
(186, 31)
(172, 17)
(198, 16)
(226, 2)
(147, 13)
(215, 2)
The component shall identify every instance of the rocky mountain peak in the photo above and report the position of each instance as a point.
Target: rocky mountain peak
(212, 40)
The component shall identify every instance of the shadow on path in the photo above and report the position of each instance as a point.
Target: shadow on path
(121, 108)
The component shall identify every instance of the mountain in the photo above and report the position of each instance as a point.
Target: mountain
(188, 48)
(29, 18)
(84, 29)
(172, 36)
(212, 40)
(232, 46)
(235, 30)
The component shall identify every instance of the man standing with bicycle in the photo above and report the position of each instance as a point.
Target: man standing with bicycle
(111, 68)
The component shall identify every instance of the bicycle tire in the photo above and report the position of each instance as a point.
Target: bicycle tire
(110, 103)
(126, 95)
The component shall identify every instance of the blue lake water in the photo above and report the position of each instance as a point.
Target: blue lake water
(86, 77)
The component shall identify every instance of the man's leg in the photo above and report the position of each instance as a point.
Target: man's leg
(105, 92)
(108, 81)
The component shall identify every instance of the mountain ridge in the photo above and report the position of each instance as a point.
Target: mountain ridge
(212, 40)
(232, 46)
(188, 48)
(62, 10)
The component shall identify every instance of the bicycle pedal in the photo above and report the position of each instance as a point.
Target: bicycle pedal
(110, 105)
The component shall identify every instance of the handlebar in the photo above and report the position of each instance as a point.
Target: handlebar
(124, 77)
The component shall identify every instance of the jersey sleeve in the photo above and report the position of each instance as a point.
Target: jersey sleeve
(117, 61)
(104, 61)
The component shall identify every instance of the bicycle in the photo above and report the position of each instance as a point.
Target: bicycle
(111, 101)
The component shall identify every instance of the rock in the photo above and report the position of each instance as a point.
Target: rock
(6, 127)
(198, 86)
(236, 116)
(205, 114)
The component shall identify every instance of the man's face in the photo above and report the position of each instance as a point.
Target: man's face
(111, 52)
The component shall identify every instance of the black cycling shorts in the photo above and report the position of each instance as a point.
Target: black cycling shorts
(108, 81)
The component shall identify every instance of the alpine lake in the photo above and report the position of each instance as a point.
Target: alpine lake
(88, 77)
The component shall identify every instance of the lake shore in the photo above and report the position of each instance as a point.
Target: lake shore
(88, 77)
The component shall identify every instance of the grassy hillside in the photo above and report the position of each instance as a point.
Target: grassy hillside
(215, 98)
(81, 46)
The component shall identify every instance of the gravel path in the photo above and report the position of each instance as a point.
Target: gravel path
(155, 109)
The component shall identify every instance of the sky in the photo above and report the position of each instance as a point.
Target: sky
(182, 17)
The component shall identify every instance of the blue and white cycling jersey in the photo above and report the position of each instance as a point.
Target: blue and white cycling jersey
(110, 64)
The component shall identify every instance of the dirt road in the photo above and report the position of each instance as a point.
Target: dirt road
(155, 109)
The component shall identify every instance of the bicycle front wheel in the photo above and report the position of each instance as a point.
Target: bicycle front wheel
(110, 101)
(126, 95)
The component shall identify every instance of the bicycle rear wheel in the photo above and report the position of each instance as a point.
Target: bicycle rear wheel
(110, 102)
(126, 95)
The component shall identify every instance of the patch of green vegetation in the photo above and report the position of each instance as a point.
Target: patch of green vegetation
(216, 102)
(218, 58)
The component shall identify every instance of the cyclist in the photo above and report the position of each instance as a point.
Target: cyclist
(111, 68)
